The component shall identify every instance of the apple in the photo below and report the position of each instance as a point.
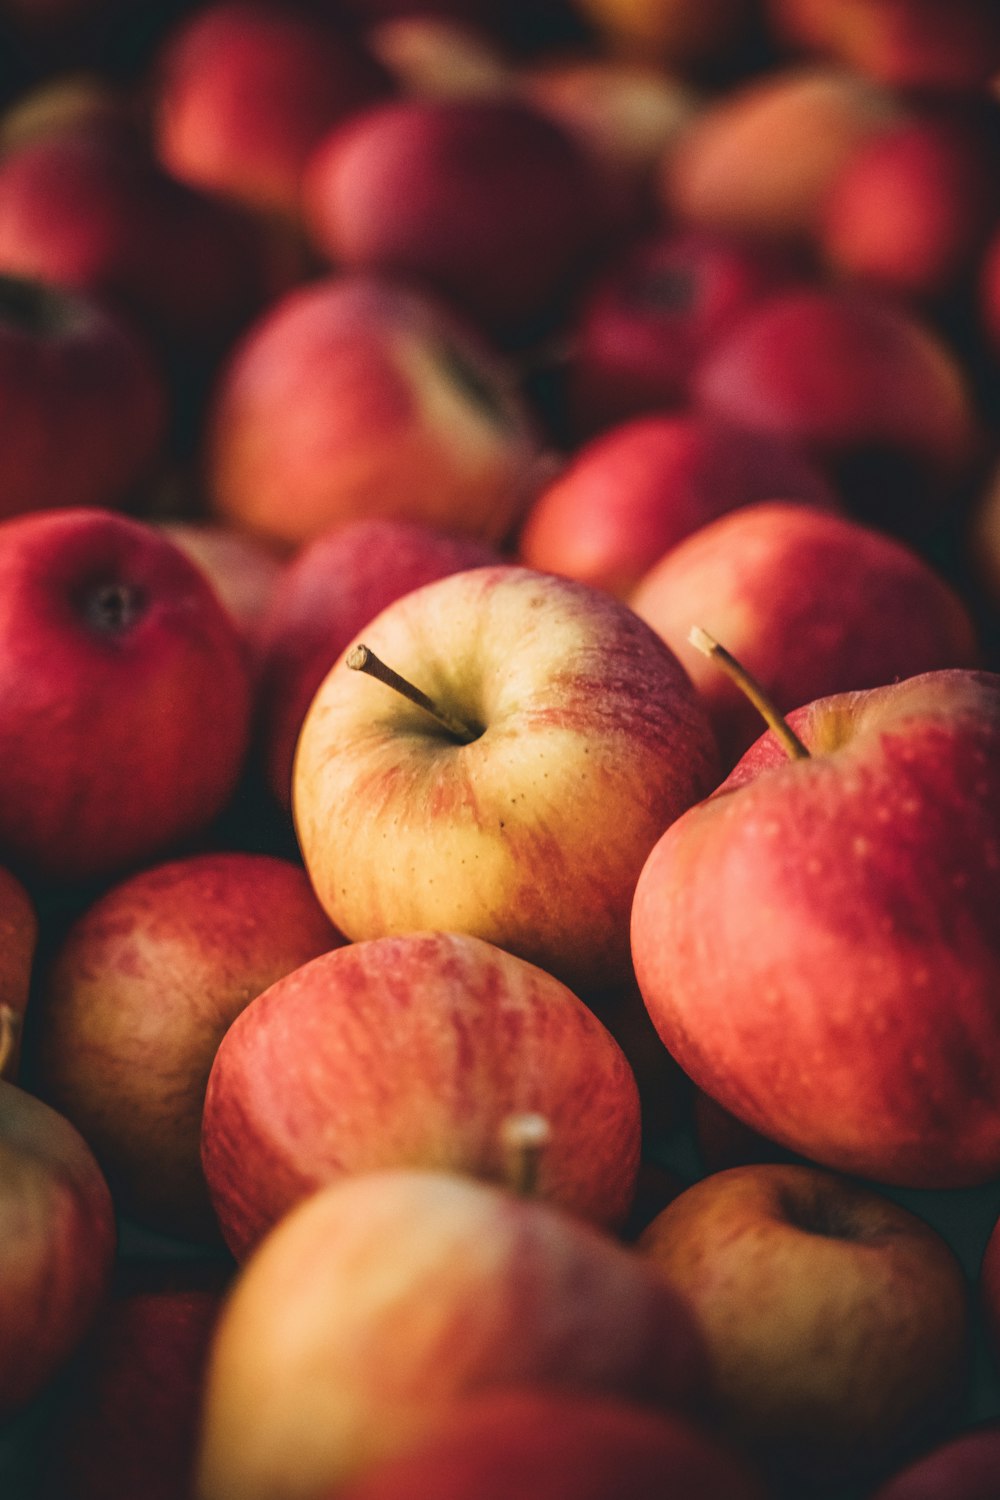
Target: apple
(811, 603)
(379, 1301)
(327, 593)
(989, 1290)
(963, 1467)
(816, 942)
(526, 823)
(485, 202)
(558, 1445)
(357, 397)
(246, 89)
(57, 1244)
(244, 571)
(438, 56)
(136, 999)
(124, 695)
(18, 941)
(628, 496)
(85, 412)
(989, 292)
(676, 33)
(837, 1321)
(414, 1051)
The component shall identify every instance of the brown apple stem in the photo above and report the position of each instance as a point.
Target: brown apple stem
(363, 659)
(524, 1138)
(733, 669)
(10, 1030)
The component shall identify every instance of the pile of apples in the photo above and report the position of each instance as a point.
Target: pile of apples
(500, 749)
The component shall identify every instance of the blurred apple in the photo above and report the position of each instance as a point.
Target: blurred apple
(964, 1467)
(18, 941)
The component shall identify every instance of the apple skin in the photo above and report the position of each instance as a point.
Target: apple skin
(837, 1322)
(413, 1051)
(57, 1246)
(484, 202)
(676, 34)
(379, 1301)
(811, 603)
(436, 56)
(124, 695)
(850, 901)
(354, 397)
(246, 90)
(989, 292)
(244, 571)
(328, 592)
(531, 836)
(136, 999)
(627, 497)
(963, 1468)
(18, 941)
(547, 1445)
(989, 1291)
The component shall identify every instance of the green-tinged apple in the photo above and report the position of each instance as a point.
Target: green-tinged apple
(379, 1301)
(136, 999)
(412, 1051)
(837, 1322)
(18, 940)
(578, 740)
(817, 942)
(57, 1244)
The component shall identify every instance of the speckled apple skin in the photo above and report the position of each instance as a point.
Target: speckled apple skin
(531, 836)
(818, 945)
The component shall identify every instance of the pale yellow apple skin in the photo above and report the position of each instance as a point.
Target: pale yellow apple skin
(532, 836)
(837, 1321)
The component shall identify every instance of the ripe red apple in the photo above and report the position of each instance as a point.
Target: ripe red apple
(582, 740)
(964, 1467)
(414, 1051)
(378, 1302)
(355, 397)
(627, 497)
(816, 942)
(811, 603)
(124, 695)
(548, 1445)
(57, 1244)
(18, 940)
(327, 594)
(989, 292)
(486, 202)
(837, 1321)
(246, 89)
(136, 999)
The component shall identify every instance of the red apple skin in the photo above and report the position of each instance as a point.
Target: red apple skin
(85, 408)
(124, 695)
(487, 203)
(627, 497)
(18, 941)
(911, 211)
(354, 398)
(989, 292)
(545, 1445)
(838, 1322)
(244, 571)
(850, 899)
(963, 1468)
(327, 594)
(888, 408)
(246, 91)
(137, 998)
(383, 1299)
(414, 1050)
(56, 1248)
(648, 319)
(989, 1291)
(809, 602)
(127, 1424)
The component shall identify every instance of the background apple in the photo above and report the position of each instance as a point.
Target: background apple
(18, 940)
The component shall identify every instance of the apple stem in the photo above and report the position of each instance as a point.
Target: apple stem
(363, 659)
(10, 1030)
(749, 685)
(524, 1138)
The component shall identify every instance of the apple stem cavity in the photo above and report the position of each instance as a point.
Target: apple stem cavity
(749, 685)
(362, 659)
(113, 608)
(10, 1030)
(524, 1138)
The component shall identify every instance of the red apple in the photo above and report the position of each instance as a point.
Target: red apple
(243, 570)
(810, 602)
(57, 1244)
(837, 1321)
(816, 942)
(245, 91)
(965, 1467)
(989, 293)
(18, 940)
(438, 56)
(989, 1291)
(628, 496)
(137, 998)
(124, 695)
(355, 397)
(582, 741)
(378, 1302)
